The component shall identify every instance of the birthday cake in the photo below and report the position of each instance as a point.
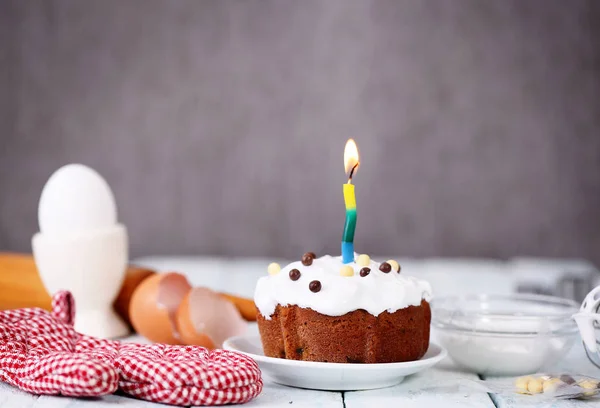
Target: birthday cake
(323, 309)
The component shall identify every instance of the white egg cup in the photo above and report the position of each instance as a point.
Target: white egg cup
(91, 265)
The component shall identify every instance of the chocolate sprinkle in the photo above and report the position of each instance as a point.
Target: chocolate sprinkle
(385, 267)
(294, 274)
(314, 286)
(399, 268)
(307, 258)
(365, 271)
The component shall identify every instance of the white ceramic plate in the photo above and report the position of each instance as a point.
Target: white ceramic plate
(331, 376)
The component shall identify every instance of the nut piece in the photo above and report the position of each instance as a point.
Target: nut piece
(589, 385)
(535, 385)
(347, 270)
(273, 268)
(551, 385)
(521, 384)
(394, 265)
(363, 260)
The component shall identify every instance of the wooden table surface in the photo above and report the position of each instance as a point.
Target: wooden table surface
(447, 276)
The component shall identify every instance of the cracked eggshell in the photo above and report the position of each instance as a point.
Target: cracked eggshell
(154, 304)
(205, 318)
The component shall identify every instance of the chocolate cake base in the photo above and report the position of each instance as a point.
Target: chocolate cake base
(357, 337)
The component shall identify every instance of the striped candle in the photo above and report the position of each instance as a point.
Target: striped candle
(350, 165)
(350, 225)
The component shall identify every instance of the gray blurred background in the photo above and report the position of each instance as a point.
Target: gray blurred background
(221, 124)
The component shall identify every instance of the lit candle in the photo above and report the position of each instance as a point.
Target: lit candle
(350, 165)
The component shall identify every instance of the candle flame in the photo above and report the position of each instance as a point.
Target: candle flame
(351, 161)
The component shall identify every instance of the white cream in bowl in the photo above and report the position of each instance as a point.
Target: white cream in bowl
(504, 335)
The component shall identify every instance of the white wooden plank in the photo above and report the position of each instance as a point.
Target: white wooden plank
(575, 362)
(458, 276)
(448, 275)
(12, 397)
(277, 396)
(239, 276)
(548, 272)
(104, 402)
(411, 393)
(273, 395)
(200, 271)
(243, 275)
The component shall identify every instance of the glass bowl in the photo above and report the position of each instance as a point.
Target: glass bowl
(504, 334)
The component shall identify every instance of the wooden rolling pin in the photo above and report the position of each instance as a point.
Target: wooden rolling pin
(21, 286)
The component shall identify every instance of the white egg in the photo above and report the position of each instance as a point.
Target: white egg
(76, 199)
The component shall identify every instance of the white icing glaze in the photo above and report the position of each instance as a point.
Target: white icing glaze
(375, 293)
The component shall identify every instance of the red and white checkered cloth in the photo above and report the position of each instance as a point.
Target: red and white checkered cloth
(41, 353)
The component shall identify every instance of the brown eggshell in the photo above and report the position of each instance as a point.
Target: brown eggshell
(246, 306)
(154, 306)
(205, 318)
(186, 328)
(134, 277)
